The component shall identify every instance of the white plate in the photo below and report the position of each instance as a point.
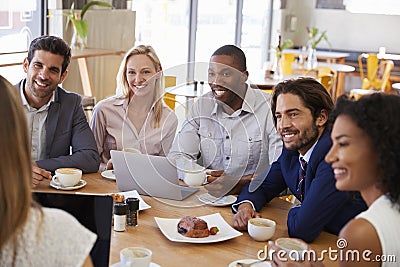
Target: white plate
(142, 205)
(109, 174)
(259, 264)
(169, 228)
(213, 201)
(81, 184)
(118, 264)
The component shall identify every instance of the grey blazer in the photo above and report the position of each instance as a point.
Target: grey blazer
(66, 126)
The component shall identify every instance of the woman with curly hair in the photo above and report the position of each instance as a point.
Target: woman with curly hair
(365, 157)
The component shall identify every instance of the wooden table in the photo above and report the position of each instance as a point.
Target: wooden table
(167, 253)
(12, 59)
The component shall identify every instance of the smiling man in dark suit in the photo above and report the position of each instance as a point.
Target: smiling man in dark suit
(55, 116)
(301, 109)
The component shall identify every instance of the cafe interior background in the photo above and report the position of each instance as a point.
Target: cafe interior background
(184, 31)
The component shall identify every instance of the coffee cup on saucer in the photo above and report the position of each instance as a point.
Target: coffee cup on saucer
(261, 229)
(294, 248)
(67, 177)
(135, 257)
(194, 177)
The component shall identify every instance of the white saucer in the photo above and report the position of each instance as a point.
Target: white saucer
(259, 264)
(213, 201)
(109, 174)
(79, 185)
(118, 264)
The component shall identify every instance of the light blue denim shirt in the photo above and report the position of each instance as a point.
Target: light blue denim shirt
(245, 142)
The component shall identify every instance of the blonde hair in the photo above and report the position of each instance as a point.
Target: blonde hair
(122, 81)
(16, 170)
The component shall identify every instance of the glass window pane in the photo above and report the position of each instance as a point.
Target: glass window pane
(216, 22)
(255, 29)
(20, 22)
(164, 24)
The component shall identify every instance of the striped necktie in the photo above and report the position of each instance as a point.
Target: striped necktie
(302, 177)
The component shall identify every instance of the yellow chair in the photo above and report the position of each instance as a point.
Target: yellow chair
(286, 62)
(169, 99)
(327, 77)
(384, 70)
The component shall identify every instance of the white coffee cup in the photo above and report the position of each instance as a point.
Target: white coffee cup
(261, 229)
(131, 150)
(294, 248)
(67, 176)
(135, 257)
(194, 177)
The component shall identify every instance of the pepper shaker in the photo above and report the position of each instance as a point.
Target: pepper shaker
(132, 211)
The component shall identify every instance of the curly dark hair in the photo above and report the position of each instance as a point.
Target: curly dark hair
(313, 94)
(378, 115)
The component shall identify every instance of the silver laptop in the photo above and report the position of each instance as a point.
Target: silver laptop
(150, 175)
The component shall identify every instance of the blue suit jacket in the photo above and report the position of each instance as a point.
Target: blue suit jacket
(67, 126)
(323, 207)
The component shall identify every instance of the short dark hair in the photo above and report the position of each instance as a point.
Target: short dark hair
(234, 51)
(52, 44)
(313, 94)
(378, 116)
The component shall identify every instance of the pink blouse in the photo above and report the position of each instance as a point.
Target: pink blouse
(114, 131)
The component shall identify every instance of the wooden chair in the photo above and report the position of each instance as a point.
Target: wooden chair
(88, 103)
(169, 99)
(384, 70)
(327, 77)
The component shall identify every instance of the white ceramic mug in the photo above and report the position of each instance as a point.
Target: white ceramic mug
(194, 177)
(67, 177)
(294, 248)
(135, 257)
(261, 229)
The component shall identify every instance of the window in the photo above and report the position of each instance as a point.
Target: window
(385, 7)
(20, 22)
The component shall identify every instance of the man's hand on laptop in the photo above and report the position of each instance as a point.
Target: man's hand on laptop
(38, 174)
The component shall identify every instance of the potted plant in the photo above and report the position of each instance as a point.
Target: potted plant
(314, 38)
(79, 38)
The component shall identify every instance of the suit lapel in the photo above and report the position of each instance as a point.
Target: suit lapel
(51, 122)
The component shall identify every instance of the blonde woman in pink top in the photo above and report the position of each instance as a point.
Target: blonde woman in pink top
(136, 117)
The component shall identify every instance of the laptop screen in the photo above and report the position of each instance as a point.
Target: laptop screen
(92, 211)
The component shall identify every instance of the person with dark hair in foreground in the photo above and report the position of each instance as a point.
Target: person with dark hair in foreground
(301, 110)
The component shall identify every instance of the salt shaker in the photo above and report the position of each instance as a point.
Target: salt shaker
(132, 211)
(119, 216)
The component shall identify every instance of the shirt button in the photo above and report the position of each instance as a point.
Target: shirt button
(209, 134)
(228, 158)
(250, 139)
(227, 137)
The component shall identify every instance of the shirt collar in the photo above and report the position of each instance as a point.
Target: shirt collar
(247, 106)
(308, 154)
(25, 102)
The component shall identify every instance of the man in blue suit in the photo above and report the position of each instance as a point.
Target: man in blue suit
(301, 108)
(55, 116)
